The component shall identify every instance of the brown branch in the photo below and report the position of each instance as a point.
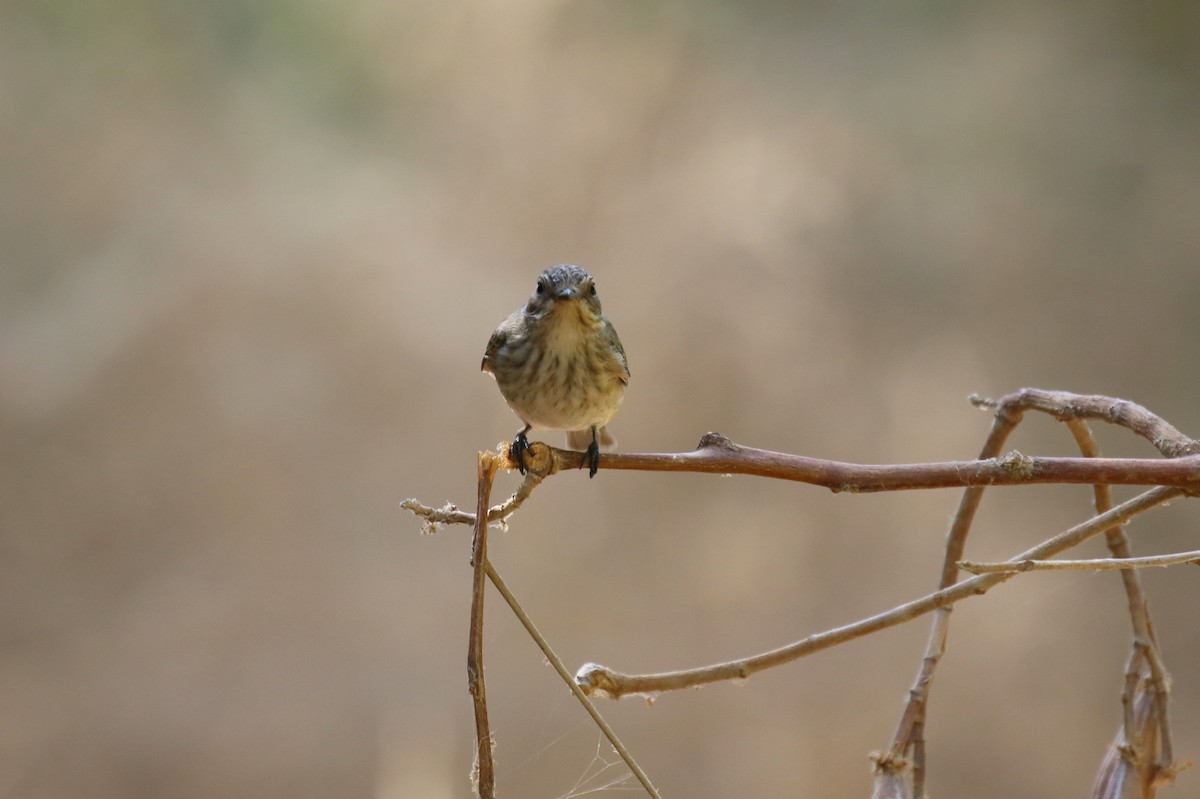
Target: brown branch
(1177, 476)
(1063, 405)
(910, 729)
(718, 455)
(484, 773)
(1009, 411)
(606, 683)
(1161, 757)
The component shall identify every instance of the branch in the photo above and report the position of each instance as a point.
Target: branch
(561, 668)
(718, 455)
(1064, 406)
(597, 680)
(484, 773)
(1159, 758)
(1009, 411)
(450, 514)
(1177, 476)
(1097, 564)
(909, 735)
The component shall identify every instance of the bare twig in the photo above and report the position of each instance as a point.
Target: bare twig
(484, 772)
(1096, 564)
(1159, 758)
(1179, 475)
(910, 729)
(604, 682)
(1063, 405)
(1009, 410)
(561, 668)
(450, 513)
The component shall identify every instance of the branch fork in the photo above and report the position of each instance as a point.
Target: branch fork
(1141, 757)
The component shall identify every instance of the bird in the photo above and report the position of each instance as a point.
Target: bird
(560, 365)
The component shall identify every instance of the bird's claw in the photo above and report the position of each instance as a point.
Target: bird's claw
(518, 450)
(592, 459)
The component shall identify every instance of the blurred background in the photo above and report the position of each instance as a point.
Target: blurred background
(251, 254)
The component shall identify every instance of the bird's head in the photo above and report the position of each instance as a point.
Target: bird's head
(565, 291)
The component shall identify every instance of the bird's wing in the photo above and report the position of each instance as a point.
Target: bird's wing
(614, 341)
(510, 328)
(494, 343)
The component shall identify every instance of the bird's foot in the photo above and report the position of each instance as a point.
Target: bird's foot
(592, 458)
(518, 450)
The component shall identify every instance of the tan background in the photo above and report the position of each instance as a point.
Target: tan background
(251, 255)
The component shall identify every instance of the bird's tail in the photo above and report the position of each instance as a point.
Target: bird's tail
(580, 440)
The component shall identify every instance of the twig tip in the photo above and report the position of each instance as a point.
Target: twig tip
(981, 402)
(596, 680)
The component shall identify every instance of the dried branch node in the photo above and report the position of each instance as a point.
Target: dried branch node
(596, 680)
(714, 440)
(887, 762)
(1017, 464)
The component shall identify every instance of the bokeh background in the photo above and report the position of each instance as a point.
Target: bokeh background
(251, 253)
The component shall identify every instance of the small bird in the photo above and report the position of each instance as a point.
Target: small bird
(559, 364)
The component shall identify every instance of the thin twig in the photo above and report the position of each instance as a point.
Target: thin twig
(601, 681)
(561, 668)
(716, 454)
(911, 726)
(1063, 405)
(1097, 564)
(1009, 410)
(484, 772)
(1118, 544)
(450, 513)
(1161, 759)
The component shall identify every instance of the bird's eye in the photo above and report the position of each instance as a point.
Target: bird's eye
(592, 289)
(541, 288)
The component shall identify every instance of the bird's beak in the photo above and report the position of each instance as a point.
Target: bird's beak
(567, 294)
